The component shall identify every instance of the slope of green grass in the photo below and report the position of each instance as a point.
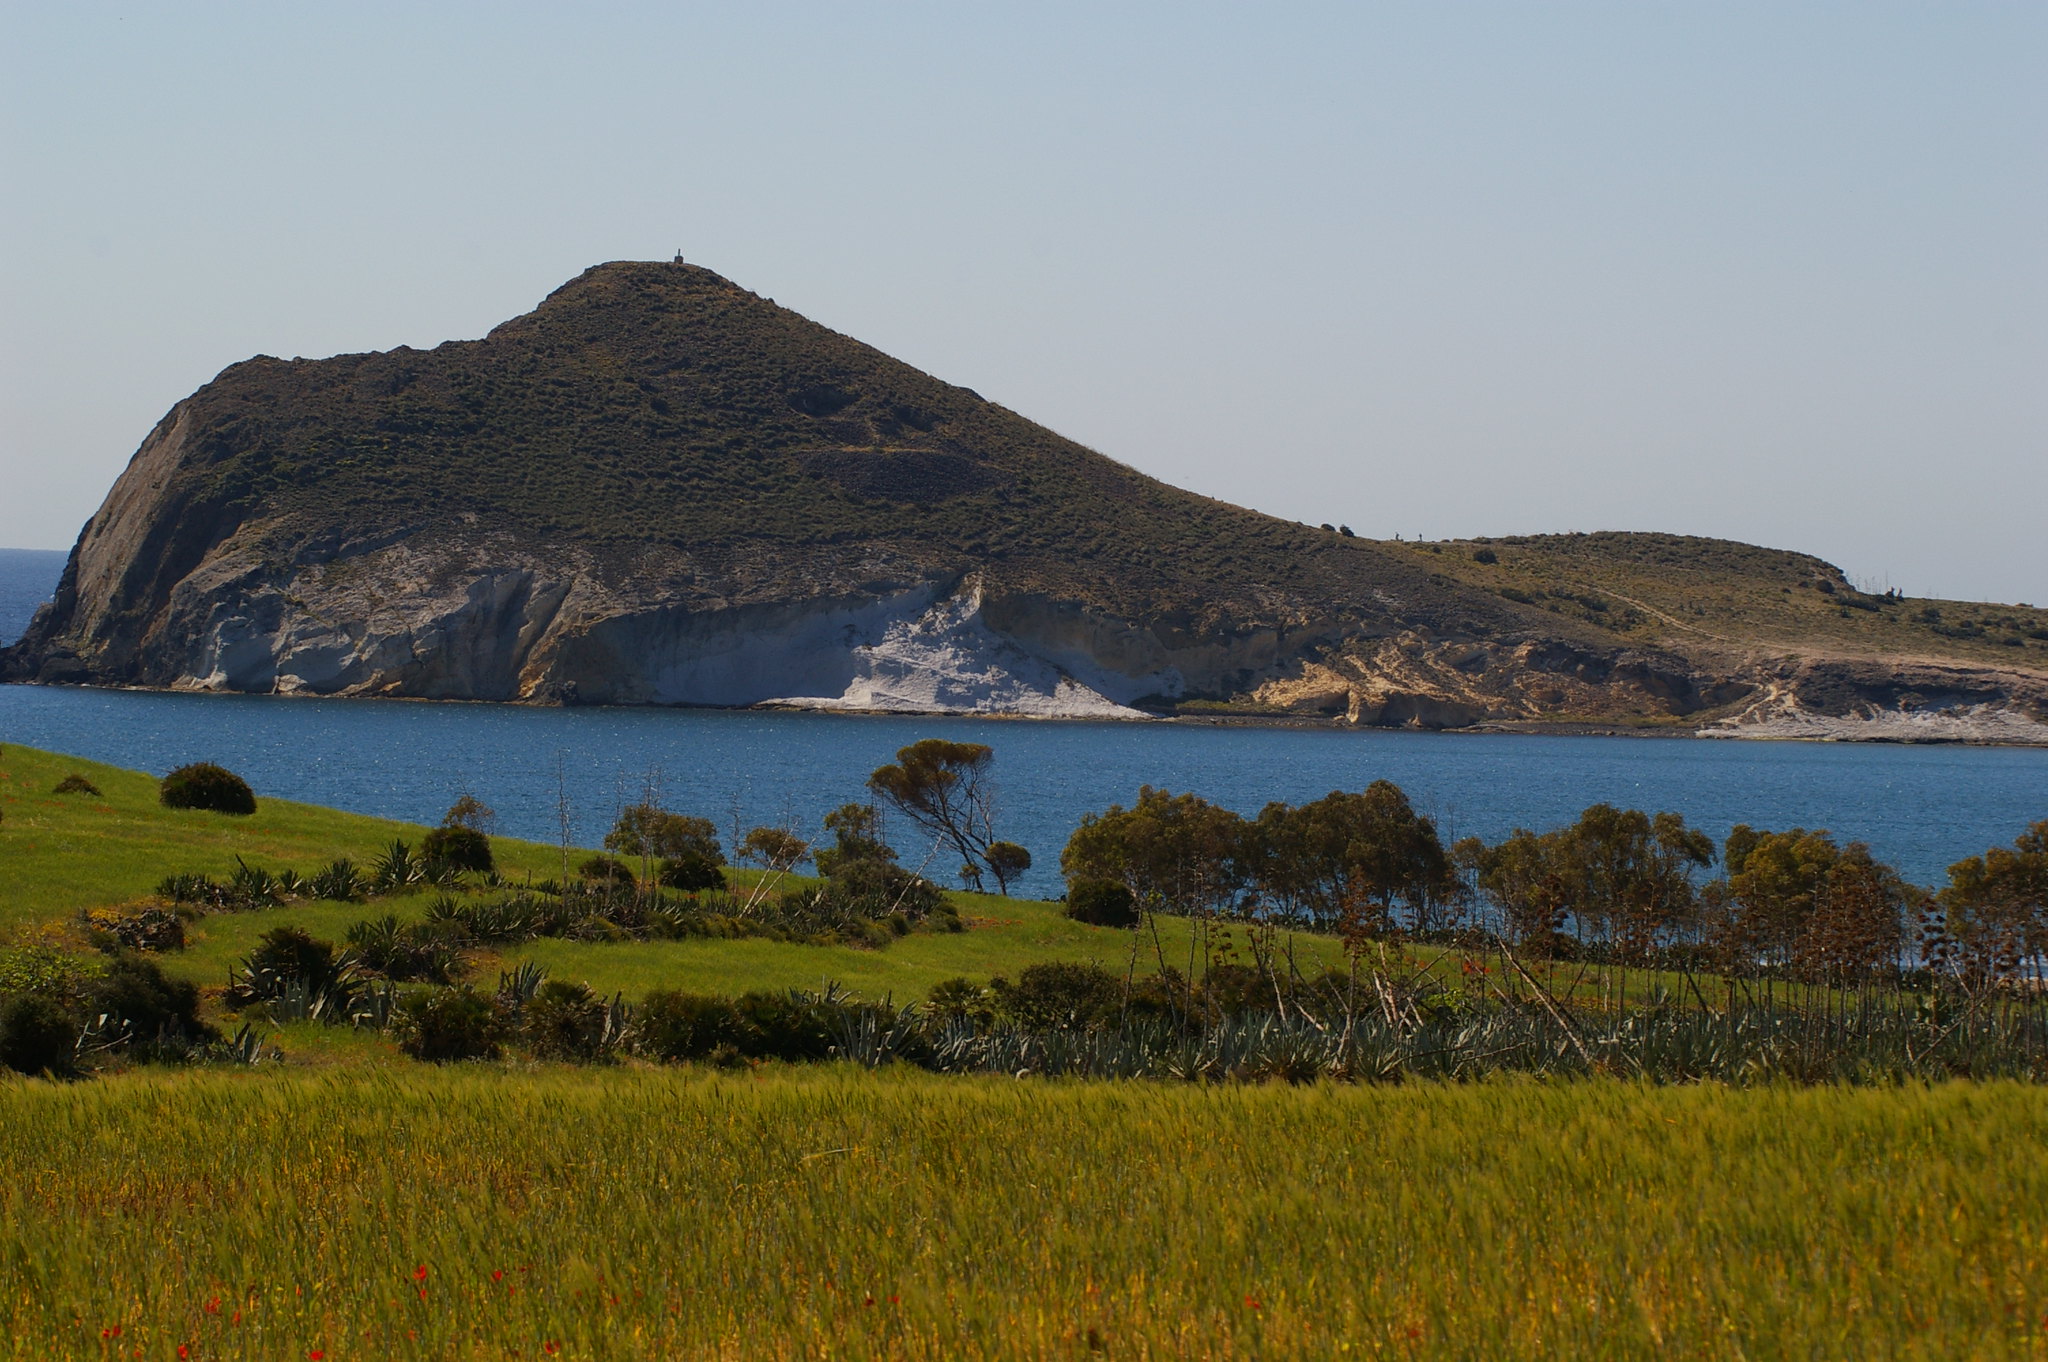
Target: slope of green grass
(61, 853)
(631, 1214)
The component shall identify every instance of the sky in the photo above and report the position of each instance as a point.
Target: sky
(1772, 272)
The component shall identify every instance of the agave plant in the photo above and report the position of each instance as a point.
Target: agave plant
(252, 887)
(191, 888)
(245, 1047)
(516, 987)
(396, 870)
(340, 881)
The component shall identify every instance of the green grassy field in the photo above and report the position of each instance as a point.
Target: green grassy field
(62, 853)
(829, 1213)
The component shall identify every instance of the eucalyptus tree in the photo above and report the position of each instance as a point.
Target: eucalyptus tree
(1177, 852)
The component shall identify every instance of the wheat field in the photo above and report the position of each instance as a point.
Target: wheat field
(470, 1212)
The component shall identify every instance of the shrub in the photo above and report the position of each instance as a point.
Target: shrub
(1485, 556)
(876, 888)
(189, 888)
(1102, 903)
(37, 1035)
(446, 1024)
(152, 929)
(202, 785)
(691, 872)
(962, 1000)
(788, 1026)
(77, 784)
(462, 847)
(1060, 996)
(289, 962)
(159, 1014)
(677, 1026)
(567, 1021)
(607, 870)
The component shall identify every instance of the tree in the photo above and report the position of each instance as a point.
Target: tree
(1006, 861)
(1179, 852)
(1354, 854)
(1618, 873)
(648, 830)
(856, 836)
(1630, 874)
(470, 812)
(777, 850)
(1997, 904)
(1519, 877)
(1796, 899)
(944, 788)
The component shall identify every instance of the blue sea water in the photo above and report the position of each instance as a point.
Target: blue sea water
(28, 577)
(1919, 807)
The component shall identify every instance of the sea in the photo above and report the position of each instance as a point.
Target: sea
(1919, 807)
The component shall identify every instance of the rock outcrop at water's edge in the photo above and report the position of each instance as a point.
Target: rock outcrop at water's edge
(661, 489)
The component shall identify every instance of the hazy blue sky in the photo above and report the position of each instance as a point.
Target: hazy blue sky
(1777, 272)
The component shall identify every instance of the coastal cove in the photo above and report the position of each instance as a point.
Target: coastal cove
(1919, 807)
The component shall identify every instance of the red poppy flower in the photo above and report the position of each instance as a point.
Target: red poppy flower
(419, 1274)
(497, 1274)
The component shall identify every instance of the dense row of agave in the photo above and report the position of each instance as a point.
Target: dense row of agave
(1745, 1044)
(1748, 1044)
(396, 870)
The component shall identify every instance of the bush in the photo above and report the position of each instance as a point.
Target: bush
(566, 1021)
(1102, 903)
(691, 872)
(447, 1024)
(202, 785)
(1060, 996)
(288, 958)
(607, 870)
(876, 888)
(1485, 556)
(152, 929)
(77, 784)
(677, 1026)
(788, 1026)
(463, 848)
(161, 1015)
(962, 1000)
(37, 1035)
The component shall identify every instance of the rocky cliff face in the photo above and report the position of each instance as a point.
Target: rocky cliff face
(660, 489)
